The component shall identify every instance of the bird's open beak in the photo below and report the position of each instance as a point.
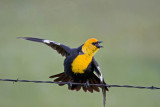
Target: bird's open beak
(98, 44)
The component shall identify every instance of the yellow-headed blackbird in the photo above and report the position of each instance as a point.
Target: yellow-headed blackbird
(79, 65)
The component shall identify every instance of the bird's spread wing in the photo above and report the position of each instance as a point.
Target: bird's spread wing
(60, 48)
(99, 73)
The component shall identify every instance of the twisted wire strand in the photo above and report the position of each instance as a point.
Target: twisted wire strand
(51, 82)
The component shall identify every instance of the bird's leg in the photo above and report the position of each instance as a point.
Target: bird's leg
(86, 84)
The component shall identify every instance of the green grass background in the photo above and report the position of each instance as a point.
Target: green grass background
(130, 30)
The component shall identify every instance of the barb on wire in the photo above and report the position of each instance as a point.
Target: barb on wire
(127, 86)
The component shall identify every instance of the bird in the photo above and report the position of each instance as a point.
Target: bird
(80, 65)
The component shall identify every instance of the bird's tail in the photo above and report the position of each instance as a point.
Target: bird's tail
(93, 80)
(61, 77)
(104, 89)
(104, 96)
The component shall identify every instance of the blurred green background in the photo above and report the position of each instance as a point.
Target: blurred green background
(130, 30)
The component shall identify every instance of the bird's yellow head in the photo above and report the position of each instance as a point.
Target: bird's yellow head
(91, 46)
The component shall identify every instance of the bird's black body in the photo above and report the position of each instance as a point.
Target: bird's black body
(70, 76)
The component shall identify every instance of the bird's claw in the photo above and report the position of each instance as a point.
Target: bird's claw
(86, 84)
(69, 83)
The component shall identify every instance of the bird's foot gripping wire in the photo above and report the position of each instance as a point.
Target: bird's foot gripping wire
(70, 83)
(86, 84)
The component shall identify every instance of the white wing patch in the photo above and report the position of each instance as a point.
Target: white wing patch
(48, 41)
(101, 77)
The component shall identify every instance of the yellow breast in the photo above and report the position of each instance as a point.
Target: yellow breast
(80, 63)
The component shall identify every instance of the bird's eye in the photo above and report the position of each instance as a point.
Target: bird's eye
(94, 43)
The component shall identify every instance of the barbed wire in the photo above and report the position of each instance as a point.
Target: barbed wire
(51, 82)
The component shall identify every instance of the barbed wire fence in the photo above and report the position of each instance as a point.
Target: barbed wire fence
(83, 84)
